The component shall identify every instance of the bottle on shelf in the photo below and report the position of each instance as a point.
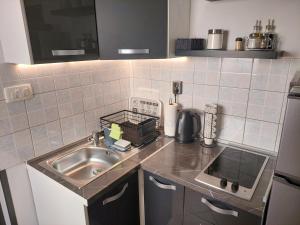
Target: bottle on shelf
(270, 35)
(255, 39)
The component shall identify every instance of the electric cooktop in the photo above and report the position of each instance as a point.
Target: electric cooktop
(234, 171)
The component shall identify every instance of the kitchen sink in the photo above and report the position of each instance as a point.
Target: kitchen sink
(85, 163)
(81, 165)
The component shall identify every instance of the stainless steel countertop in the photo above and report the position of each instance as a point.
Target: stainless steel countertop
(180, 163)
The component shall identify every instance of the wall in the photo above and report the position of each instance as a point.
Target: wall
(69, 99)
(239, 16)
(251, 94)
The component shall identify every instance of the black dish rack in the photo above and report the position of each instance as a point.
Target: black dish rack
(138, 128)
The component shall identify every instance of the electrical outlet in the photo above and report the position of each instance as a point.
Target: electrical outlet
(18, 92)
(177, 87)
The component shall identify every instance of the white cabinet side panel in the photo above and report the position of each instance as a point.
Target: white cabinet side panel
(22, 195)
(4, 207)
(55, 204)
(14, 36)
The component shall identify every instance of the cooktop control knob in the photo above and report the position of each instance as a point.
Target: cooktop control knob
(223, 183)
(235, 186)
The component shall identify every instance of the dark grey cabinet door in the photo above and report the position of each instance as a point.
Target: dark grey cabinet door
(119, 206)
(62, 30)
(132, 29)
(190, 219)
(163, 201)
(210, 211)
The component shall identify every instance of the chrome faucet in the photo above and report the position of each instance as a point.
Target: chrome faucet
(95, 138)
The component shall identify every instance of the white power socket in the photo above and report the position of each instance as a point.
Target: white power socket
(18, 92)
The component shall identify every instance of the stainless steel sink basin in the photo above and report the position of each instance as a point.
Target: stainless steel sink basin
(83, 164)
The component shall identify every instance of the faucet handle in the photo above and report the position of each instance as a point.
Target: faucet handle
(95, 137)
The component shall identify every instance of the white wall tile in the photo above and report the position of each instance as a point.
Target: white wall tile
(237, 80)
(231, 65)
(111, 92)
(260, 134)
(44, 84)
(205, 77)
(42, 108)
(233, 101)
(46, 137)
(265, 105)
(15, 148)
(272, 80)
(186, 98)
(230, 128)
(186, 76)
(261, 66)
(207, 64)
(61, 82)
(92, 119)
(269, 82)
(164, 90)
(280, 66)
(13, 117)
(73, 128)
(142, 87)
(160, 70)
(204, 94)
(70, 101)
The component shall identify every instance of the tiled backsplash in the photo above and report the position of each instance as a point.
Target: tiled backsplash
(70, 97)
(68, 100)
(251, 94)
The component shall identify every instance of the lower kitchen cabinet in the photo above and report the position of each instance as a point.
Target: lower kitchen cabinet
(200, 209)
(119, 206)
(163, 201)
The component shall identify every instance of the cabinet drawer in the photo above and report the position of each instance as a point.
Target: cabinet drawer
(163, 201)
(216, 212)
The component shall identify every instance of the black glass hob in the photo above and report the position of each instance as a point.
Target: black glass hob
(234, 171)
(237, 166)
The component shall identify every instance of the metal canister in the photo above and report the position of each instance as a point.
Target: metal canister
(215, 39)
(239, 44)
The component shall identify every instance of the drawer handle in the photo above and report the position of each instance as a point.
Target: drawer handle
(162, 186)
(115, 197)
(68, 52)
(133, 51)
(219, 210)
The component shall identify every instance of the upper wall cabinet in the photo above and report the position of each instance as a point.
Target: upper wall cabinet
(45, 31)
(135, 29)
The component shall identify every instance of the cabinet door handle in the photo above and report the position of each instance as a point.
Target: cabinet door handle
(115, 197)
(133, 51)
(219, 210)
(68, 52)
(162, 186)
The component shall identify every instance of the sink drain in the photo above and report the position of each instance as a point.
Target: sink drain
(96, 171)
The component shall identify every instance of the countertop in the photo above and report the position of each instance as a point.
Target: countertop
(180, 163)
(94, 189)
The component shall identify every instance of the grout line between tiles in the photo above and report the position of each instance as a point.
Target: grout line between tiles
(247, 104)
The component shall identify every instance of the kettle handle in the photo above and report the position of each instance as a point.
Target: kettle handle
(198, 120)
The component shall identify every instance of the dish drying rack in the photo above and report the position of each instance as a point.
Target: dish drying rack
(137, 128)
